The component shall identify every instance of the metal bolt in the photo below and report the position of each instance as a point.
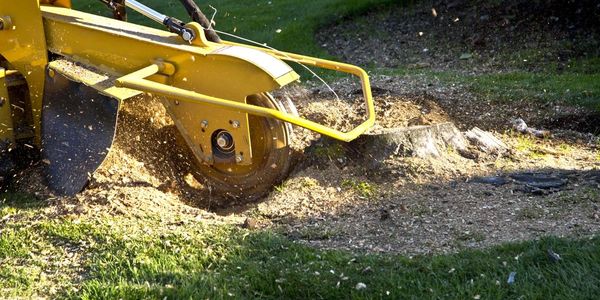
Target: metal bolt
(235, 124)
(222, 141)
(239, 158)
(2, 101)
(204, 124)
(5, 22)
(187, 35)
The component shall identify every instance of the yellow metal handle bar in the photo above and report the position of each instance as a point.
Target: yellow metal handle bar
(137, 81)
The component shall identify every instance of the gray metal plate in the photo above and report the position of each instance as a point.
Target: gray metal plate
(78, 128)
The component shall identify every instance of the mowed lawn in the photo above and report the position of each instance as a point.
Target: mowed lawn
(285, 24)
(118, 257)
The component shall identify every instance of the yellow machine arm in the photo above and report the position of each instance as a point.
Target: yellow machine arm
(138, 82)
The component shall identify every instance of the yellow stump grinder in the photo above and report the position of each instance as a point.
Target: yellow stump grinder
(64, 75)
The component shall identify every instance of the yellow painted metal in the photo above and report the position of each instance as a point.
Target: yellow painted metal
(88, 75)
(24, 47)
(220, 75)
(330, 65)
(137, 81)
(200, 39)
(205, 86)
(122, 48)
(6, 124)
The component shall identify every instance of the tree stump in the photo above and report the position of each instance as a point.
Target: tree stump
(415, 141)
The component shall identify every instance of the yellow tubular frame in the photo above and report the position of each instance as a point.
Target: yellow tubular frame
(137, 81)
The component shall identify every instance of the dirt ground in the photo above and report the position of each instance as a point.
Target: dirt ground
(429, 205)
(336, 198)
(474, 36)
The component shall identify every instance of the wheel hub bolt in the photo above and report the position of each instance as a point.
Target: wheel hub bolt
(204, 124)
(187, 35)
(224, 141)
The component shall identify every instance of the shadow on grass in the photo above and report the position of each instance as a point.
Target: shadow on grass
(263, 265)
(20, 201)
(134, 259)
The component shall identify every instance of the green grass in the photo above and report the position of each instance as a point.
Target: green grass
(363, 188)
(576, 87)
(261, 20)
(299, 21)
(573, 88)
(124, 258)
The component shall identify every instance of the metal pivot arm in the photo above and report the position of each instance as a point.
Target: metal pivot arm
(174, 25)
(138, 82)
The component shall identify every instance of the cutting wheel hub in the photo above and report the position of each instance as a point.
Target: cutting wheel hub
(270, 156)
(224, 141)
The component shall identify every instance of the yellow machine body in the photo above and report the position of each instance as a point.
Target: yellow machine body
(23, 45)
(211, 70)
(204, 86)
(6, 124)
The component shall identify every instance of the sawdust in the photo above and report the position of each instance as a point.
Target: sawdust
(414, 205)
(145, 174)
(332, 200)
(418, 206)
(336, 200)
(392, 109)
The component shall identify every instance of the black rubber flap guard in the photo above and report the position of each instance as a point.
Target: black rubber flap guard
(78, 128)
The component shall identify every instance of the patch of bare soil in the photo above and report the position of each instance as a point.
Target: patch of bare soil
(416, 206)
(338, 198)
(341, 198)
(470, 35)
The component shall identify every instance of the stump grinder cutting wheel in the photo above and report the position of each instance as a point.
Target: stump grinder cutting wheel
(64, 75)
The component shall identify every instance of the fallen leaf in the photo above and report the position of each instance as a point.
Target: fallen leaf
(466, 56)
(361, 286)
